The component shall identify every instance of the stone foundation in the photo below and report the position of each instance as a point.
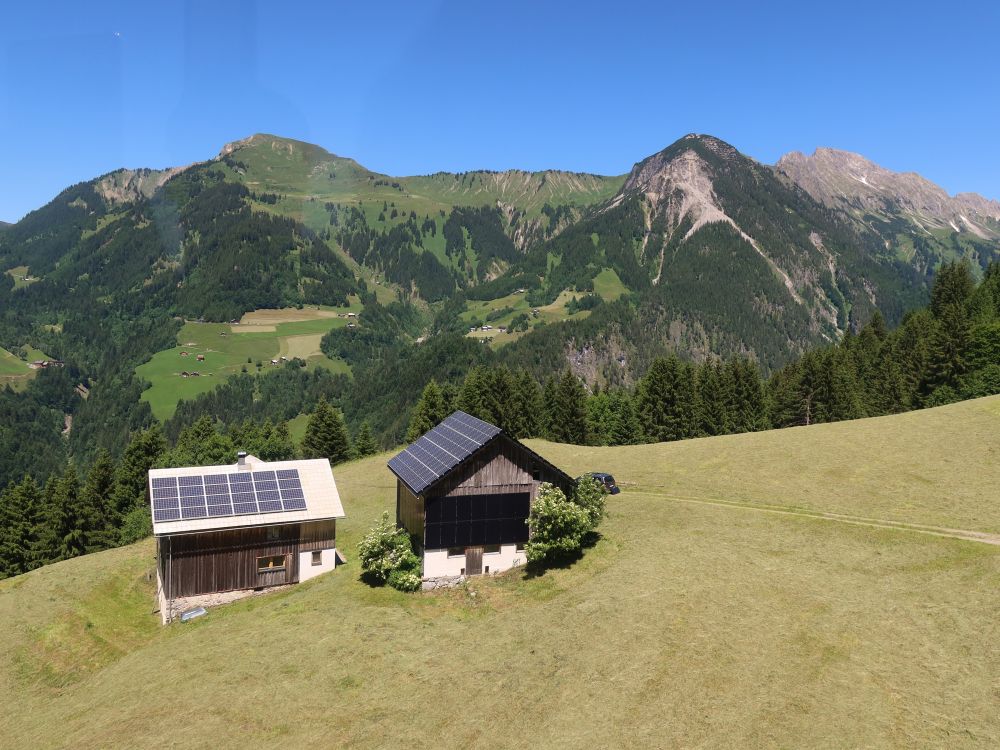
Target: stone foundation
(442, 582)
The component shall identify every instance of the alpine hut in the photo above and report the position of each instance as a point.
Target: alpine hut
(464, 491)
(241, 527)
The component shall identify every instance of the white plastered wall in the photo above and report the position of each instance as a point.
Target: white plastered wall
(306, 568)
(437, 563)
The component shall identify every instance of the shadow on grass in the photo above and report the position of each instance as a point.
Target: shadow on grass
(564, 561)
(372, 581)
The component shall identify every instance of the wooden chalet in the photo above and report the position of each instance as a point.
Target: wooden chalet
(464, 491)
(241, 527)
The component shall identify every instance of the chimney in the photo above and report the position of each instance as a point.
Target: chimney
(241, 460)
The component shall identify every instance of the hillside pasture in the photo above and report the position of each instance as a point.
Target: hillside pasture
(554, 312)
(228, 349)
(14, 371)
(21, 276)
(686, 625)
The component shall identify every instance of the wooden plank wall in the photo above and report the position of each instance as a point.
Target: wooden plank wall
(504, 466)
(409, 511)
(227, 560)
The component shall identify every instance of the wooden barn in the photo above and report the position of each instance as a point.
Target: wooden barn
(463, 492)
(241, 527)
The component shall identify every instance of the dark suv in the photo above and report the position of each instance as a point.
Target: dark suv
(605, 480)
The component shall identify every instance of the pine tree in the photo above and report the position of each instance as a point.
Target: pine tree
(713, 404)
(470, 395)
(530, 404)
(63, 533)
(364, 441)
(20, 505)
(665, 400)
(95, 510)
(622, 427)
(428, 413)
(550, 395)
(129, 506)
(569, 416)
(326, 435)
(748, 403)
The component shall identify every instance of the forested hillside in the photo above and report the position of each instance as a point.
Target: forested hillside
(699, 256)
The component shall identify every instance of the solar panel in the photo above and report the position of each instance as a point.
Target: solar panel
(218, 495)
(441, 449)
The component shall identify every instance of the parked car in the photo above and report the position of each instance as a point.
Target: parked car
(605, 480)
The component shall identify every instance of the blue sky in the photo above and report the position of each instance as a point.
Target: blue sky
(410, 88)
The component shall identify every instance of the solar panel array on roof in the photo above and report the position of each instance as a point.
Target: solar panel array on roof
(441, 449)
(231, 494)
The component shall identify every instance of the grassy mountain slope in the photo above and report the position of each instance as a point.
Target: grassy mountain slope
(688, 624)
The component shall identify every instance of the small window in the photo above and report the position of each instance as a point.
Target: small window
(456, 552)
(487, 569)
(270, 563)
(491, 549)
(273, 533)
(536, 473)
(520, 546)
(317, 557)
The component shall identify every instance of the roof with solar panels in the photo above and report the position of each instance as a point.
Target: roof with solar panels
(441, 450)
(248, 493)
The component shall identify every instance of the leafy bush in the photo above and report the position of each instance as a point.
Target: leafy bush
(590, 496)
(386, 555)
(557, 525)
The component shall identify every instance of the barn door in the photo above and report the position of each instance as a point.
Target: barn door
(473, 561)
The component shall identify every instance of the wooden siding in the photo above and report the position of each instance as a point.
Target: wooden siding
(226, 560)
(317, 535)
(502, 466)
(409, 511)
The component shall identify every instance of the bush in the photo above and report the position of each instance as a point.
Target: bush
(386, 555)
(557, 525)
(136, 525)
(590, 496)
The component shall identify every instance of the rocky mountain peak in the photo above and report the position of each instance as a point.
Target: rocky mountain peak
(848, 181)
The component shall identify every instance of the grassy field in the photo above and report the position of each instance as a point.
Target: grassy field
(688, 625)
(14, 371)
(21, 276)
(260, 336)
(478, 310)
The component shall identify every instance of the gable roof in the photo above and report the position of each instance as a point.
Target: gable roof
(439, 450)
(442, 449)
(321, 499)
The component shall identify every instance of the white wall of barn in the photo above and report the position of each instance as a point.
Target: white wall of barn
(307, 570)
(437, 563)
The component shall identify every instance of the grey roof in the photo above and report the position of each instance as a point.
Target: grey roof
(441, 449)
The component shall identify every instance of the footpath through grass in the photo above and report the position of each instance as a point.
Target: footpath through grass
(685, 626)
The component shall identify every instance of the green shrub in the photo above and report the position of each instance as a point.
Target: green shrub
(590, 496)
(557, 525)
(386, 555)
(136, 525)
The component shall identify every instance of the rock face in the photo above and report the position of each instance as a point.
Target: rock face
(131, 185)
(850, 182)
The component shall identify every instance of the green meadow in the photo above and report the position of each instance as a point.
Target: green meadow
(726, 604)
(261, 336)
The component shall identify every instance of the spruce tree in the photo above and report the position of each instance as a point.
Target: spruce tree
(665, 400)
(470, 395)
(20, 505)
(364, 441)
(550, 396)
(326, 435)
(130, 490)
(428, 413)
(569, 416)
(530, 404)
(95, 511)
(713, 404)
